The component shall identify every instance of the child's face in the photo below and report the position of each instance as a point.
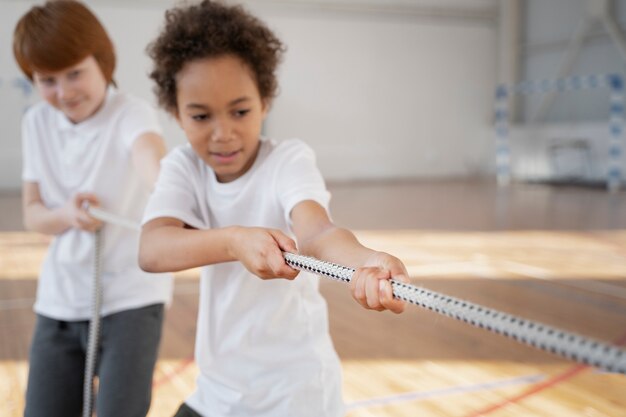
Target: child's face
(78, 91)
(221, 111)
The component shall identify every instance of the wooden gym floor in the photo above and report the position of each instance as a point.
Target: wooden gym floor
(551, 254)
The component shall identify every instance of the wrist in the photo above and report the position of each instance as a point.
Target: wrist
(64, 217)
(374, 258)
(233, 241)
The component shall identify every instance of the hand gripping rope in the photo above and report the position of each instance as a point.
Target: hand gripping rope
(569, 345)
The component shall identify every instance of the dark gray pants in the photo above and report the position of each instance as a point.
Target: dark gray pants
(185, 411)
(129, 342)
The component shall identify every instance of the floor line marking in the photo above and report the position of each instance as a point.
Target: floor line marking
(598, 287)
(172, 374)
(425, 395)
(541, 386)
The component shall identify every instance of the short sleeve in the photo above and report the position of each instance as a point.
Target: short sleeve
(176, 191)
(138, 118)
(300, 179)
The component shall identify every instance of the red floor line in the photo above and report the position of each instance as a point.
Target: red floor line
(542, 386)
(533, 390)
(169, 376)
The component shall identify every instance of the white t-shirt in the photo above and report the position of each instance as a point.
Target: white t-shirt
(92, 156)
(262, 346)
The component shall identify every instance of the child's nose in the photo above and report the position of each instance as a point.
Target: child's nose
(64, 90)
(221, 131)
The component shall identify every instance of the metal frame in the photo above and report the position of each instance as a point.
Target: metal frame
(615, 82)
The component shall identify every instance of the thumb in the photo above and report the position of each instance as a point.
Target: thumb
(87, 198)
(399, 272)
(285, 243)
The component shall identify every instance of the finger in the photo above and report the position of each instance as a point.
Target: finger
(287, 272)
(279, 267)
(82, 199)
(87, 227)
(97, 225)
(398, 272)
(372, 287)
(89, 197)
(387, 300)
(83, 220)
(357, 287)
(86, 222)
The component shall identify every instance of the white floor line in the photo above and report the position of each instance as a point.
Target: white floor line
(544, 274)
(443, 392)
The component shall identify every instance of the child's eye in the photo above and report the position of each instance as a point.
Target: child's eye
(200, 117)
(72, 75)
(47, 81)
(241, 113)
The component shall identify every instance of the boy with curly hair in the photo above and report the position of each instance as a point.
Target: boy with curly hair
(231, 201)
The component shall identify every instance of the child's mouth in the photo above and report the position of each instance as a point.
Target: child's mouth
(225, 156)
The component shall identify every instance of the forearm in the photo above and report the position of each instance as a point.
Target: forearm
(337, 245)
(320, 238)
(173, 248)
(147, 152)
(39, 218)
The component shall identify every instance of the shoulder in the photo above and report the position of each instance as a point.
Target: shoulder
(291, 159)
(294, 145)
(40, 112)
(123, 102)
(40, 122)
(132, 116)
(182, 153)
(183, 159)
(291, 149)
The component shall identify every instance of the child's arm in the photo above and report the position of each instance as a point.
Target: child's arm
(147, 151)
(318, 237)
(167, 245)
(39, 218)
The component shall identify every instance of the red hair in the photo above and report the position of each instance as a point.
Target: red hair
(60, 34)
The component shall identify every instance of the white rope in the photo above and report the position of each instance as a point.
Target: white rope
(94, 329)
(569, 345)
(113, 218)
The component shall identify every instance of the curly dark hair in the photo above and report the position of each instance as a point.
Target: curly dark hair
(207, 30)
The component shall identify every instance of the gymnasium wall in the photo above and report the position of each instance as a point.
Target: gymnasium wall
(379, 89)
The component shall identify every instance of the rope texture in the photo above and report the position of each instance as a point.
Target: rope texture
(94, 329)
(569, 345)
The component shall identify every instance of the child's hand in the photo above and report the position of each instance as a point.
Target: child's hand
(370, 283)
(76, 214)
(260, 250)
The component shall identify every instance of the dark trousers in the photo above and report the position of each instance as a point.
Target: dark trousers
(185, 411)
(127, 353)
